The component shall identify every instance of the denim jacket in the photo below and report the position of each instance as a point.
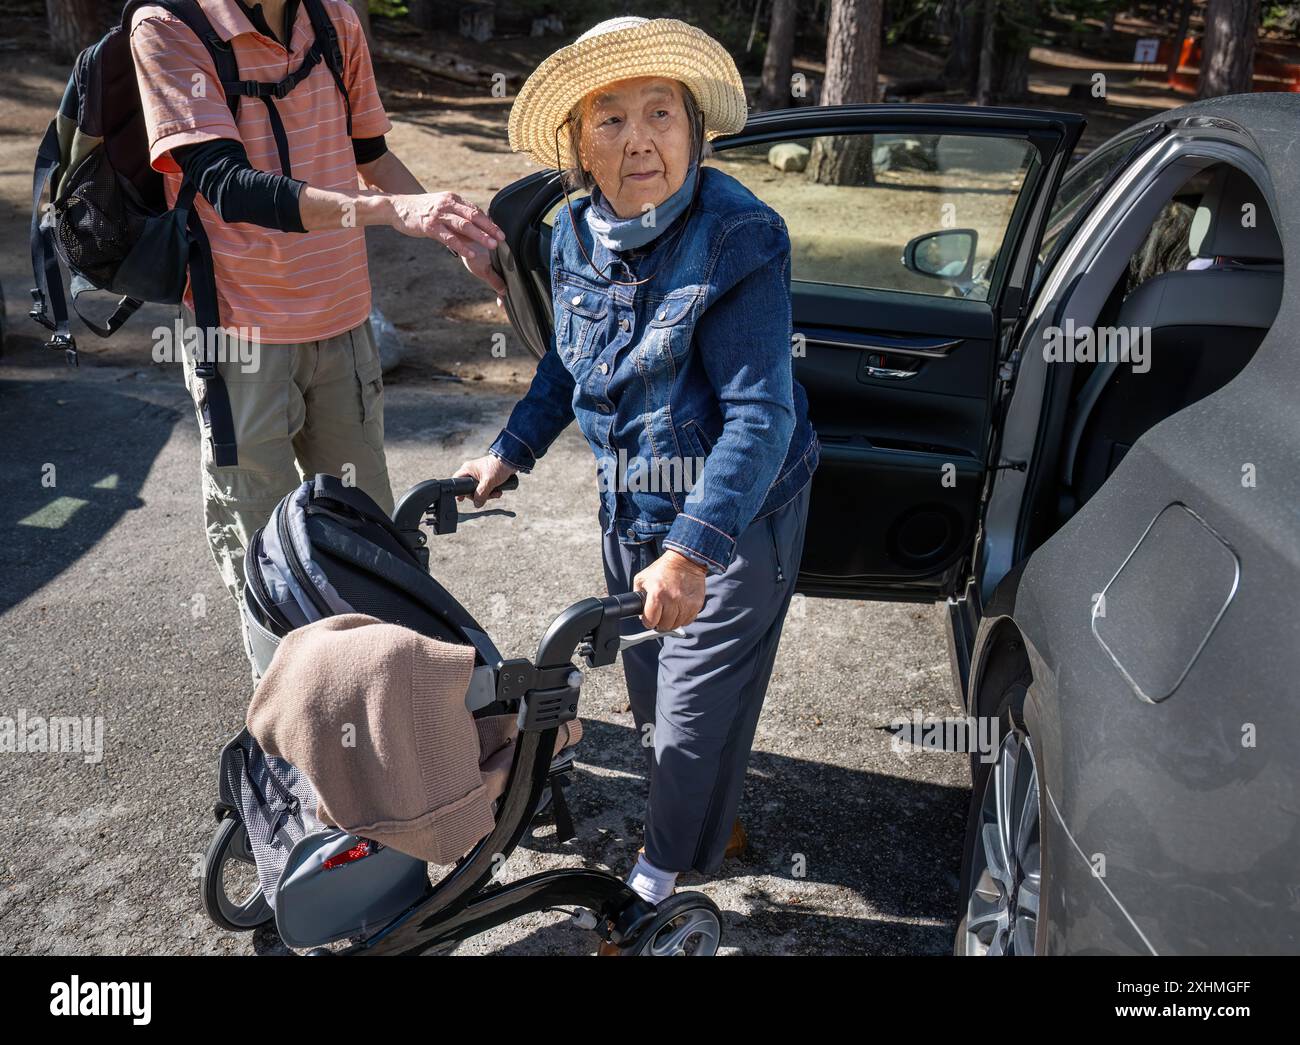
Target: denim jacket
(684, 385)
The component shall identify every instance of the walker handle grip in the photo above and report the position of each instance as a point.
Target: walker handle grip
(465, 485)
(628, 604)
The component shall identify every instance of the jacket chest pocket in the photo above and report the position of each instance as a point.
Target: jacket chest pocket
(580, 316)
(669, 331)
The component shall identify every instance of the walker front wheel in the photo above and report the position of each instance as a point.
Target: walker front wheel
(685, 925)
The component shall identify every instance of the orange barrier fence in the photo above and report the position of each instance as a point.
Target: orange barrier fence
(1277, 66)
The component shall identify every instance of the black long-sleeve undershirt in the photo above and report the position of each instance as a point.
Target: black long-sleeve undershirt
(239, 192)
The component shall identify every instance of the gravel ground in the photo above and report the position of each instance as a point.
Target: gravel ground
(110, 606)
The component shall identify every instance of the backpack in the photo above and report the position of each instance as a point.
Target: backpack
(328, 548)
(321, 883)
(107, 217)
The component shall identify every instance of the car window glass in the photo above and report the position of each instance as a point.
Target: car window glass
(856, 205)
(1079, 188)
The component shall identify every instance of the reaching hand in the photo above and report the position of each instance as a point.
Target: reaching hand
(446, 217)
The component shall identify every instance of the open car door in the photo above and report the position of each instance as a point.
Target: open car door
(914, 230)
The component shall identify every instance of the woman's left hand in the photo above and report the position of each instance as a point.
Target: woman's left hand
(674, 591)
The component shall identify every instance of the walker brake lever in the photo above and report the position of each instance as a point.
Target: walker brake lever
(485, 512)
(587, 653)
(628, 641)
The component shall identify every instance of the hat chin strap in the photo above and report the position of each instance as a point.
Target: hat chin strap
(601, 273)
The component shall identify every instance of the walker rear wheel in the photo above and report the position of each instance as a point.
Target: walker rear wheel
(227, 867)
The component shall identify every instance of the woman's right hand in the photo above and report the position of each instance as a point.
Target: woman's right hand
(491, 472)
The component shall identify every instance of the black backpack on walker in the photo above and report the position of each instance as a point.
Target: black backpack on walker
(107, 217)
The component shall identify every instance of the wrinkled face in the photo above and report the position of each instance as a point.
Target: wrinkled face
(635, 141)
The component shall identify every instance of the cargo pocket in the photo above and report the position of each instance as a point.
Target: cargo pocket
(198, 393)
(370, 384)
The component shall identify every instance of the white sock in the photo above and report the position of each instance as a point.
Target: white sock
(650, 883)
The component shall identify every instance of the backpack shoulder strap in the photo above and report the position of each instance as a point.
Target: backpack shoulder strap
(331, 52)
(49, 307)
(189, 12)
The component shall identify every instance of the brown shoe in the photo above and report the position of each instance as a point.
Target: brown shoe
(738, 842)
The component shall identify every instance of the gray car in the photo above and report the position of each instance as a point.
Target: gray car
(1057, 398)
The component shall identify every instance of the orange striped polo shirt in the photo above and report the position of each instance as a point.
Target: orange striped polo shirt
(292, 286)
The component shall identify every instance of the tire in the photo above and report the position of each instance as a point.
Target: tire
(230, 845)
(1001, 874)
(685, 925)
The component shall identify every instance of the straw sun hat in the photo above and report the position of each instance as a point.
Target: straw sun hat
(618, 49)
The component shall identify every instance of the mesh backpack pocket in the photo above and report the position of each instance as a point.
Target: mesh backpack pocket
(273, 799)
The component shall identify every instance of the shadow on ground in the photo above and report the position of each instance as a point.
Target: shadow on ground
(67, 483)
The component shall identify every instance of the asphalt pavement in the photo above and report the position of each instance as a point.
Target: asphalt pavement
(111, 611)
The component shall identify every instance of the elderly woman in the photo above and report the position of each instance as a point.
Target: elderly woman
(672, 348)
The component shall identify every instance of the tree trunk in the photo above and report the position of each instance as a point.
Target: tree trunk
(988, 33)
(962, 67)
(753, 25)
(779, 58)
(1180, 34)
(990, 50)
(1014, 39)
(1228, 50)
(436, 63)
(422, 13)
(74, 26)
(852, 67)
(852, 52)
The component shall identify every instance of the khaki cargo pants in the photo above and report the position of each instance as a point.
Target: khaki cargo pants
(299, 409)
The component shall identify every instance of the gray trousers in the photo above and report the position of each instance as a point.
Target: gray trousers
(701, 695)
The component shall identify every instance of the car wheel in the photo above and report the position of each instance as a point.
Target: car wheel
(1001, 880)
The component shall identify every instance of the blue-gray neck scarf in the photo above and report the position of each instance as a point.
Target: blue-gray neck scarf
(616, 233)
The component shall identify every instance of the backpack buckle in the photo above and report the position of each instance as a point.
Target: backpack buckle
(281, 90)
(69, 345)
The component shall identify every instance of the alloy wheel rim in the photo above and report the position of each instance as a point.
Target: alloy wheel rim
(1002, 909)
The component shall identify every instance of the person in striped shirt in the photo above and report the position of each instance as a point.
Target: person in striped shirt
(284, 209)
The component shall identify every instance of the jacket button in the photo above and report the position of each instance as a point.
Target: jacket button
(604, 368)
(632, 534)
(624, 324)
(663, 316)
(603, 408)
(576, 299)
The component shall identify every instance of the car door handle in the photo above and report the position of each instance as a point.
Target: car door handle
(887, 374)
(919, 349)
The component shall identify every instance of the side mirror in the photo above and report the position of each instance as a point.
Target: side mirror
(948, 254)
